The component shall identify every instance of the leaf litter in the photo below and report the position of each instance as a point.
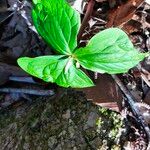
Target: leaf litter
(133, 18)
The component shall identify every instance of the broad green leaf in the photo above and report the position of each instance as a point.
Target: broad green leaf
(47, 68)
(57, 23)
(110, 51)
(57, 69)
(74, 77)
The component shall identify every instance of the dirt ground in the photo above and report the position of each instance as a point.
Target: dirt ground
(68, 123)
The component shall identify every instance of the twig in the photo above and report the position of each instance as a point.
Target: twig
(86, 18)
(28, 91)
(24, 15)
(22, 79)
(131, 101)
(145, 79)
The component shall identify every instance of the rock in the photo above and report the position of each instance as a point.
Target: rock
(69, 123)
(67, 114)
(91, 122)
(51, 141)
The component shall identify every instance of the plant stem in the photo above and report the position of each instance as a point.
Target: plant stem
(28, 91)
(131, 101)
(86, 18)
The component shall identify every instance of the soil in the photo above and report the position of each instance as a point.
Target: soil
(69, 123)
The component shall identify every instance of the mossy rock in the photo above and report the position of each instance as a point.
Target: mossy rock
(70, 123)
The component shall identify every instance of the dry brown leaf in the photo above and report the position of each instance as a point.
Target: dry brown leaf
(123, 13)
(105, 93)
(132, 26)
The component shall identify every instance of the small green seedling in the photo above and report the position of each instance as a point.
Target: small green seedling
(109, 51)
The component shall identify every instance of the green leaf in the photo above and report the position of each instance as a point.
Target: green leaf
(75, 78)
(47, 68)
(57, 23)
(109, 51)
(57, 69)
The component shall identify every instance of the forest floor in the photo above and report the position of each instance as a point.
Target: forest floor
(98, 118)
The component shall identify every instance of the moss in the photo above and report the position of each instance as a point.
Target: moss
(46, 125)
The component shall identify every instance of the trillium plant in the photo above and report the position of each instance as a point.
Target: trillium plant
(110, 51)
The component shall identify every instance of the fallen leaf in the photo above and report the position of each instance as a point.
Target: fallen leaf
(132, 26)
(4, 12)
(123, 13)
(106, 93)
(79, 5)
(3, 5)
(147, 98)
(7, 70)
(147, 1)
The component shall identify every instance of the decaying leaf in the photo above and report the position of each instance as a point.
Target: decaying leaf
(123, 13)
(7, 70)
(3, 5)
(132, 26)
(79, 5)
(147, 1)
(105, 93)
(4, 12)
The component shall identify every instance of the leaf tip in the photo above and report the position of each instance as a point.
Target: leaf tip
(23, 62)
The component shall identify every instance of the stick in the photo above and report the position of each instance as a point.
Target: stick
(131, 101)
(28, 91)
(22, 79)
(86, 18)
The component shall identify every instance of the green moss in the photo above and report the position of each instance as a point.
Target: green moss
(44, 124)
